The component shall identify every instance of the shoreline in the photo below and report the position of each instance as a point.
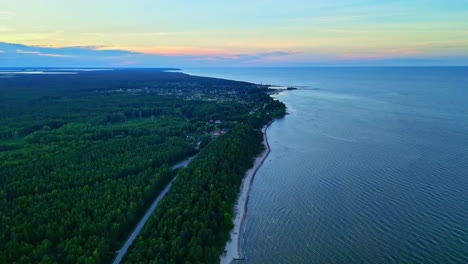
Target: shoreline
(233, 246)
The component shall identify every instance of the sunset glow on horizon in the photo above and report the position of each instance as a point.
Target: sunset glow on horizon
(241, 33)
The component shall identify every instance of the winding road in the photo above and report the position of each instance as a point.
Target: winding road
(121, 253)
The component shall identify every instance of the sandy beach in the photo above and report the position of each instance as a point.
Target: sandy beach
(232, 249)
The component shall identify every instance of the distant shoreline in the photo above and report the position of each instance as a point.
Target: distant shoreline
(233, 246)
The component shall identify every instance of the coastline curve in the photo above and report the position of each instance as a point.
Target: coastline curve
(232, 250)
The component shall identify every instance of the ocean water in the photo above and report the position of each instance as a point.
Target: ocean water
(370, 166)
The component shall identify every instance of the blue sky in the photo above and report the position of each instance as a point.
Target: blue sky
(240, 33)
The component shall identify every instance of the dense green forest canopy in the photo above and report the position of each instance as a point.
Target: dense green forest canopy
(193, 222)
(82, 156)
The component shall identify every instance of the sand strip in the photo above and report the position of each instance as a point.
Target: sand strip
(232, 249)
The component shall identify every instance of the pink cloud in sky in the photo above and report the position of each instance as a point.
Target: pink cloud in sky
(95, 47)
(382, 54)
(123, 63)
(173, 51)
(249, 58)
(27, 52)
(52, 55)
(41, 54)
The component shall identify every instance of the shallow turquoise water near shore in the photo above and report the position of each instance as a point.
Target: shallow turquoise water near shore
(370, 166)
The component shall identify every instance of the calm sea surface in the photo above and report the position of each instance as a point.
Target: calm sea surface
(370, 166)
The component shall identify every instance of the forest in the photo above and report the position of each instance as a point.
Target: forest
(193, 222)
(83, 154)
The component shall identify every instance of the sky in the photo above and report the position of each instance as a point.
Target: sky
(241, 33)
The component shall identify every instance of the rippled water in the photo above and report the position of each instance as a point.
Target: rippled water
(370, 166)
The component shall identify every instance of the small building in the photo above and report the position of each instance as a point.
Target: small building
(217, 122)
